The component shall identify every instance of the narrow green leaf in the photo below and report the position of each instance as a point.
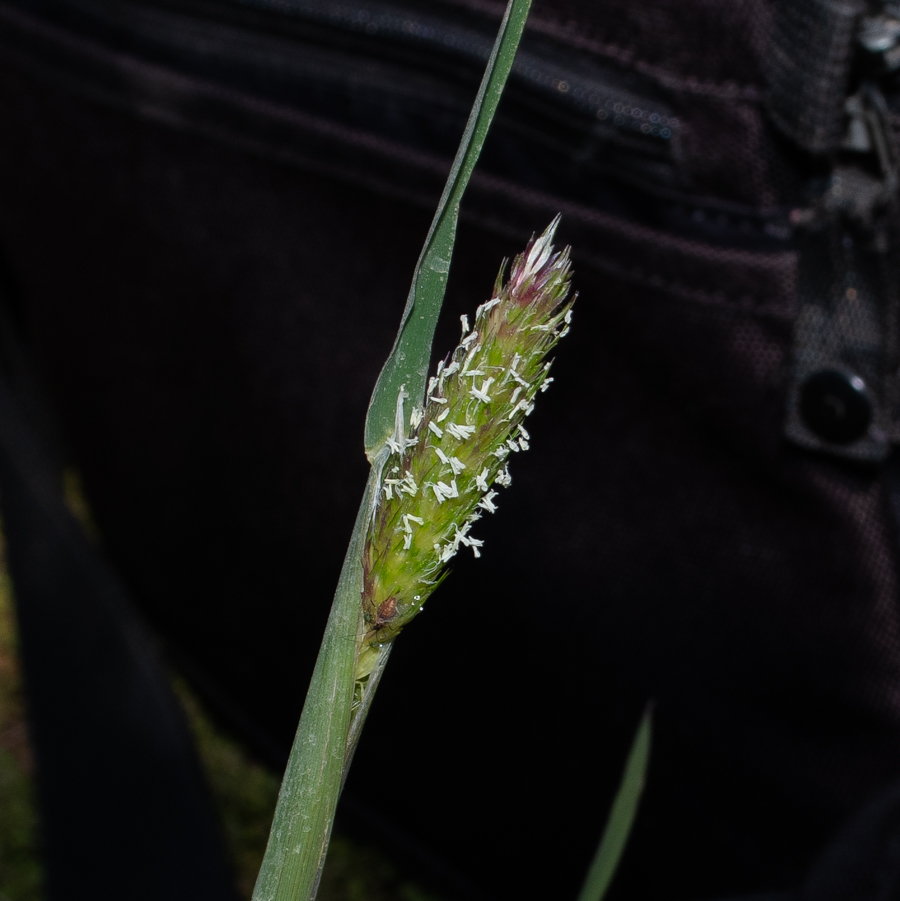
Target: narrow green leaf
(312, 782)
(621, 817)
(407, 364)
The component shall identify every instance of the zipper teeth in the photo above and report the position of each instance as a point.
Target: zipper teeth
(590, 96)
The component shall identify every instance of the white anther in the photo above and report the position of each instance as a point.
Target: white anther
(434, 427)
(469, 357)
(462, 432)
(487, 502)
(486, 306)
(481, 479)
(449, 490)
(482, 393)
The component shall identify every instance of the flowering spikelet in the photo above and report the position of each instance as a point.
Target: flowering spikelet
(440, 478)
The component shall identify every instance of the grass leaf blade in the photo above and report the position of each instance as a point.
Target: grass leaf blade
(407, 364)
(621, 817)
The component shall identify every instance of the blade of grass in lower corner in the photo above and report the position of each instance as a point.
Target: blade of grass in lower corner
(407, 364)
(622, 815)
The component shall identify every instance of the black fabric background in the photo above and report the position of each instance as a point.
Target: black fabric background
(210, 319)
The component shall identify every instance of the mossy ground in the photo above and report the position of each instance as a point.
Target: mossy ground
(243, 790)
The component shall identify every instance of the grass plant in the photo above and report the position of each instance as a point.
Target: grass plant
(435, 453)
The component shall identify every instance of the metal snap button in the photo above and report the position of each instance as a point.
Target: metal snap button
(835, 406)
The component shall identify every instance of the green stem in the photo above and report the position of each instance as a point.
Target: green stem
(312, 781)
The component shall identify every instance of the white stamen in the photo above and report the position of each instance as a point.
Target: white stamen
(398, 441)
(512, 445)
(415, 418)
(504, 478)
(524, 444)
(443, 415)
(467, 341)
(456, 465)
(515, 394)
(487, 502)
(434, 427)
(481, 479)
(465, 323)
(441, 455)
(462, 432)
(523, 433)
(481, 394)
(407, 541)
(469, 357)
(408, 485)
(486, 306)
(438, 400)
(449, 490)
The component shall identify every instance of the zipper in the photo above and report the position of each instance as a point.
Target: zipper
(845, 395)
